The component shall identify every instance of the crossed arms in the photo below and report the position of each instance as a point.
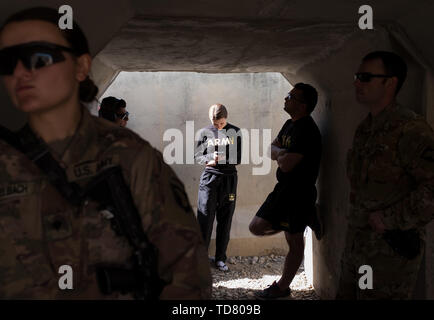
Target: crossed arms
(285, 160)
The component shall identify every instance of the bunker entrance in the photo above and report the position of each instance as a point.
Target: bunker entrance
(169, 108)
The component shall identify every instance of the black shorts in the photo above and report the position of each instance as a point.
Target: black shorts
(288, 209)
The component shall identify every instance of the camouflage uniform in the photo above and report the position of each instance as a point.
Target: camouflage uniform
(391, 168)
(40, 231)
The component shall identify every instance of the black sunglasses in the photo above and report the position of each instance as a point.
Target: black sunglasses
(366, 76)
(123, 116)
(33, 55)
(290, 96)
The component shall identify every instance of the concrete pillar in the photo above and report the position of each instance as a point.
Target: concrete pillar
(103, 74)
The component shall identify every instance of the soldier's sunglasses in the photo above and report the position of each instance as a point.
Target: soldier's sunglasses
(366, 76)
(290, 96)
(123, 116)
(33, 55)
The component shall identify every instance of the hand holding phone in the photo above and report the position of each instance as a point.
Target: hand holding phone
(219, 155)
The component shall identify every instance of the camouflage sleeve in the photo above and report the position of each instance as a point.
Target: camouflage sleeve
(416, 153)
(171, 226)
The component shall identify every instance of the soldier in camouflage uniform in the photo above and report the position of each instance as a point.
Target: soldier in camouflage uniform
(391, 172)
(39, 229)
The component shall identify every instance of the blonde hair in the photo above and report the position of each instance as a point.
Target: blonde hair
(217, 111)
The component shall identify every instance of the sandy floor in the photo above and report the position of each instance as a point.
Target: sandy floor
(249, 274)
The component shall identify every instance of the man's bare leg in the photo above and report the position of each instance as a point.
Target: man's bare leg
(293, 259)
(261, 227)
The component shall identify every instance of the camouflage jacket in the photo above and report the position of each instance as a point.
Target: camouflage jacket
(40, 231)
(391, 168)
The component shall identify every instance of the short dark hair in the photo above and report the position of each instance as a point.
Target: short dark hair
(218, 111)
(394, 65)
(75, 37)
(310, 95)
(109, 107)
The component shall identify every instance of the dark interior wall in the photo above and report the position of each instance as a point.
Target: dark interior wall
(99, 19)
(412, 93)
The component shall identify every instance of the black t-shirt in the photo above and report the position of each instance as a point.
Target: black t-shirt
(227, 141)
(303, 137)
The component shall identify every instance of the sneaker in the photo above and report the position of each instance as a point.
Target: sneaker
(316, 225)
(272, 292)
(221, 266)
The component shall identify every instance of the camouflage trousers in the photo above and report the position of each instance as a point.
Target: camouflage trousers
(393, 276)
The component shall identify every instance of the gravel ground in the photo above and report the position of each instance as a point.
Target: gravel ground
(249, 274)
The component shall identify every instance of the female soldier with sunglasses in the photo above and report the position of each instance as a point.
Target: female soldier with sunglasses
(113, 109)
(45, 71)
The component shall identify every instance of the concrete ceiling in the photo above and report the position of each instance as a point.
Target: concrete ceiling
(220, 46)
(253, 35)
(232, 36)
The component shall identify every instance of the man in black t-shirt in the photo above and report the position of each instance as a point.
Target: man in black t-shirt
(291, 205)
(219, 149)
